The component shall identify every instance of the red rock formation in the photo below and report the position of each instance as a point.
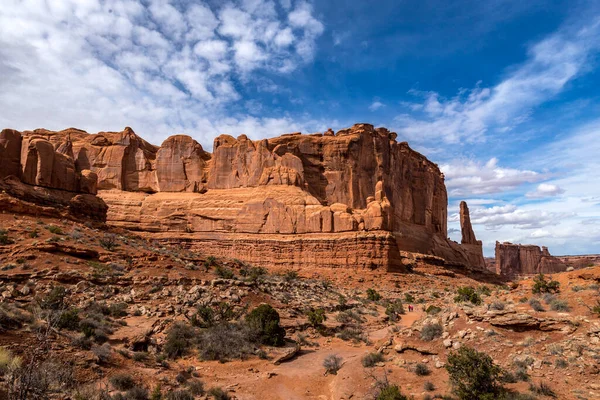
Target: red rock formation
(517, 259)
(296, 190)
(38, 174)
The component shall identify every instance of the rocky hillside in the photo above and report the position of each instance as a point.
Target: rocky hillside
(88, 312)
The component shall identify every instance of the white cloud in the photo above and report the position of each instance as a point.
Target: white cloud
(376, 105)
(545, 190)
(468, 177)
(158, 66)
(472, 114)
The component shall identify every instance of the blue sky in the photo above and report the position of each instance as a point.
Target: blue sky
(503, 95)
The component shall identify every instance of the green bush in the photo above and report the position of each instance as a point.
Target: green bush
(431, 331)
(4, 239)
(542, 389)
(541, 285)
(264, 321)
(109, 241)
(69, 319)
(55, 300)
(218, 394)
(208, 315)
(394, 309)
(181, 394)
(409, 298)
(289, 276)
(137, 393)
(433, 310)
(467, 294)
(484, 290)
(54, 229)
(122, 381)
(473, 375)
(316, 317)
(390, 392)
(179, 340)
(497, 305)
(224, 273)
(373, 295)
(371, 359)
(422, 369)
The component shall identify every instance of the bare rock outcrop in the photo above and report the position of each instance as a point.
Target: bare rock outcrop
(517, 259)
(356, 197)
(37, 173)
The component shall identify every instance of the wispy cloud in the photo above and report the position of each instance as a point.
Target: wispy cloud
(545, 190)
(468, 177)
(159, 66)
(376, 105)
(474, 113)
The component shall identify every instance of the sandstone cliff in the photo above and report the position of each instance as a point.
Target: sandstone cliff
(517, 259)
(44, 178)
(353, 198)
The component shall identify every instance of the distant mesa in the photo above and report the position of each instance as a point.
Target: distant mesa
(353, 198)
(519, 259)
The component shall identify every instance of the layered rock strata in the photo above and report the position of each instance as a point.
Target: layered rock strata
(354, 198)
(40, 178)
(517, 259)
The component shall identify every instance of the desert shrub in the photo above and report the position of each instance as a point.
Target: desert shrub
(473, 375)
(83, 342)
(541, 285)
(208, 315)
(196, 387)
(433, 310)
(122, 381)
(223, 272)
(289, 276)
(109, 241)
(253, 274)
(373, 295)
(218, 394)
(102, 352)
(140, 356)
(371, 359)
(497, 305)
(354, 333)
(559, 305)
(4, 239)
(54, 229)
(179, 340)
(390, 392)
(429, 386)
(264, 321)
(225, 341)
(542, 389)
(596, 308)
(422, 369)
(431, 331)
(68, 319)
(137, 393)
(561, 363)
(332, 364)
(408, 298)
(156, 393)
(118, 309)
(536, 305)
(394, 309)
(484, 290)
(180, 394)
(55, 300)
(8, 362)
(348, 316)
(316, 317)
(12, 317)
(467, 294)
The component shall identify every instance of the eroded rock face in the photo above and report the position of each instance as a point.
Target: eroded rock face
(517, 259)
(36, 171)
(294, 189)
